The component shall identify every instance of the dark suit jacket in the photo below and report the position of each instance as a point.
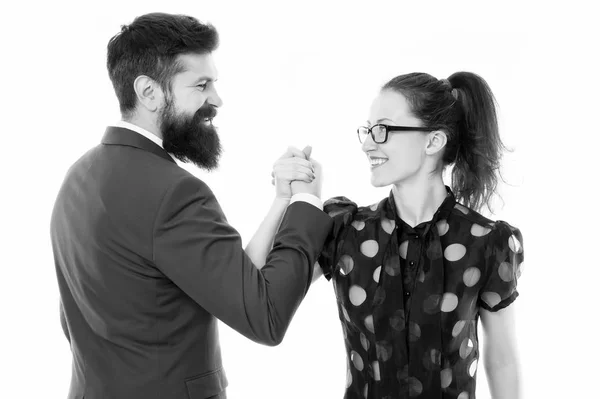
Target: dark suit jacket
(146, 263)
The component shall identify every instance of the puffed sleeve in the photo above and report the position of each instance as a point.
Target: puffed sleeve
(342, 211)
(504, 256)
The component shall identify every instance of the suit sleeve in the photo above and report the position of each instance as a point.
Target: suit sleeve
(63, 322)
(200, 252)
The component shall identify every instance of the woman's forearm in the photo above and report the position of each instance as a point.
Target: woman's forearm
(504, 381)
(262, 241)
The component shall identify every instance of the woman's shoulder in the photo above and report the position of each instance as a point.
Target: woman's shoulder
(504, 235)
(499, 230)
(340, 205)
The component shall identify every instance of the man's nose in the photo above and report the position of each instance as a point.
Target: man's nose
(215, 99)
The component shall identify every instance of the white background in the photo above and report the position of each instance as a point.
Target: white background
(305, 73)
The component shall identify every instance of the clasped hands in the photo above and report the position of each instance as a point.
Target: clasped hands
(296, 172)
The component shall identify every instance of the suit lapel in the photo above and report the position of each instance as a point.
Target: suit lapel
(121, 136)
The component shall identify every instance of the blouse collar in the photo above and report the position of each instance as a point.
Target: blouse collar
(442, 212)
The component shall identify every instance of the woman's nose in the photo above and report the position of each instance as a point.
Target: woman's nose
(368, 144)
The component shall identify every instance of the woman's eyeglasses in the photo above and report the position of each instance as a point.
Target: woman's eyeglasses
(379, 132)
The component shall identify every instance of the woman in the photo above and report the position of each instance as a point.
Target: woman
(413, 273)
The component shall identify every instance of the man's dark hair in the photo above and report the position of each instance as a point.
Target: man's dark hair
(150, 46)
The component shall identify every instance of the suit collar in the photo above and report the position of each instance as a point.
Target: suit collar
(121, 136)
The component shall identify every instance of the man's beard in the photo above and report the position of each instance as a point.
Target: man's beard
(191, 138)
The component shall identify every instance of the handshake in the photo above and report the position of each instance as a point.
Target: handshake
(296, 172)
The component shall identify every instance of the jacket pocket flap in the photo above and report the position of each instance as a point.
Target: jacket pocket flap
(206, 385)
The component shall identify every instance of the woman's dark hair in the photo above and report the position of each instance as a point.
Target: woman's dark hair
(150, 46)
(464, 107)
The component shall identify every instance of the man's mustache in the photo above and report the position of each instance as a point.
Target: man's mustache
(206, 111)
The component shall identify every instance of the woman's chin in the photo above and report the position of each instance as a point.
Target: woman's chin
(378, 182)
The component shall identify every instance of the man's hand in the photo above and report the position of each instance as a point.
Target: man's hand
(292, 165)
(313, 187)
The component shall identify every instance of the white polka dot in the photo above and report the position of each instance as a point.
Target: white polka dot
(455, 252)
(397, 320)
(458, 327)
(505, 270)
(479, 231)
(403, 249)
(369, 324)
(449, 302)
(366, 391)
(376, 371)
(415, 387)
(471, 276)
(414, 331)
(473, 368)
(357, 295)
(346, 264)
(374, 207)
(357, 361)
(432, 359)
(388, 225)
(434, 250)
(491, 298)
(392, 266)
(462, 208)
(345, 313)
(348, 378)
(358, 225)
(519, 269)
(466, 347)
(421, 277)
(463, 395)
(383, 350)
(442, 227)
(369, 248)
(377, 274)
(514, 244)
(364, 341)
(446, 377)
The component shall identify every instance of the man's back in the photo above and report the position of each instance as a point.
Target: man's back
(128, 321)
(146, 263)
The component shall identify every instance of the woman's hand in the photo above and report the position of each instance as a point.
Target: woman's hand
(292, 165)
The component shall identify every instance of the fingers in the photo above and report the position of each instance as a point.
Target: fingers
(293, 161)
(295, 152)
(307, 151)
(293, 172)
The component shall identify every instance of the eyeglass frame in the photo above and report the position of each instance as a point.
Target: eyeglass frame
(390, 128)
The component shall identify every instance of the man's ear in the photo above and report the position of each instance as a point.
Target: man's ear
(148, 93)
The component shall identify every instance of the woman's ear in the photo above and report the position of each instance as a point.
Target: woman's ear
(436, 141)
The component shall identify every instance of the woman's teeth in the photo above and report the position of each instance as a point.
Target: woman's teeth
(378, 161)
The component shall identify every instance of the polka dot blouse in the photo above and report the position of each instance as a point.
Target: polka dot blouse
(409, 298)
